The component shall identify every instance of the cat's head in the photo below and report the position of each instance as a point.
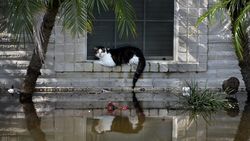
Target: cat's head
(100, 51)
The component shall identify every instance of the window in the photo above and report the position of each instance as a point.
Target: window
(3, 11)
(155, 27)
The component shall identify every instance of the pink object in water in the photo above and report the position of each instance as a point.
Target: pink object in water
(124, 107)
(113, 106)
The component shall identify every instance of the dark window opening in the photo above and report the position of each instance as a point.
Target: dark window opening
(155, 30)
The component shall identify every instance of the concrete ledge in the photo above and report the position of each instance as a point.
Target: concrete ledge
(84, 90)
(151, 66)
(100, 90)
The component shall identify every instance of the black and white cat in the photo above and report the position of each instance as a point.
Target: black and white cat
(123, 55)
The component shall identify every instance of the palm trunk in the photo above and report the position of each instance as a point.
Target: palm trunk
(245, 69)
(244, 63)
(36, 63)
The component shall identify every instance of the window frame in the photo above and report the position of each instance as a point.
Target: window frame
(144, 21)
(190, 52)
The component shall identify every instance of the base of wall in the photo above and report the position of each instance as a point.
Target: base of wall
(58, 90)
(94, 85)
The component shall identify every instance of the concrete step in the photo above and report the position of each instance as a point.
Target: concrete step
(15, 73)
(14, 55)
(14, 64)
(9, 46)
(9, 73)
(49, 102)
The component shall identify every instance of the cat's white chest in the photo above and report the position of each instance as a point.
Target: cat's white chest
(107, 60)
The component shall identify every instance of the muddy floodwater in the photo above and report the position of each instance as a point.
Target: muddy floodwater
(122, 117)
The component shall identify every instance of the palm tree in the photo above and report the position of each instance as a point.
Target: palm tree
(22, 21)
(238, 11)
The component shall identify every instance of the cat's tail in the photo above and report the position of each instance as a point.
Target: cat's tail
(139, 70)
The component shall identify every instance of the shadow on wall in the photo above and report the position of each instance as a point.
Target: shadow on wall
(14, 61)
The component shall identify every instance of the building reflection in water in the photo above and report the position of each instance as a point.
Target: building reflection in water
(89, 125)
(131, 124)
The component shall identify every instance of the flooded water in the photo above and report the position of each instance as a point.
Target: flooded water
(49, 119)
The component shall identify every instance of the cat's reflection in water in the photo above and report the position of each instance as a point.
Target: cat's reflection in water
(123, 124)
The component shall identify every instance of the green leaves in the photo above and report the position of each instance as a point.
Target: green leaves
(240, 37)
(74, 16)
(77, 15)
(202, 102)
(125, 17)
(237, 10)
(20, 18)
(239, 41)
(124, 14)
(3, 15)
(99, 4)
(212, 11)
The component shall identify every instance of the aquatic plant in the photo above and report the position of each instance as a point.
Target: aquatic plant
(202, 102)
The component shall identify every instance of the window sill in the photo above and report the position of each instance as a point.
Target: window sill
(151, 67)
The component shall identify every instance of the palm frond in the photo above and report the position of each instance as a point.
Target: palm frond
(21, 22)
(235, 7)
(244, 12)
(74, 17)
(50, 3)
(238, 10)
(241, 17)
(91, 5)
(21, 17)
(125, 17)
(3, 15)
(237, 41)
(212, 11)
(240, 37)
(124, 14)
(99, 4)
